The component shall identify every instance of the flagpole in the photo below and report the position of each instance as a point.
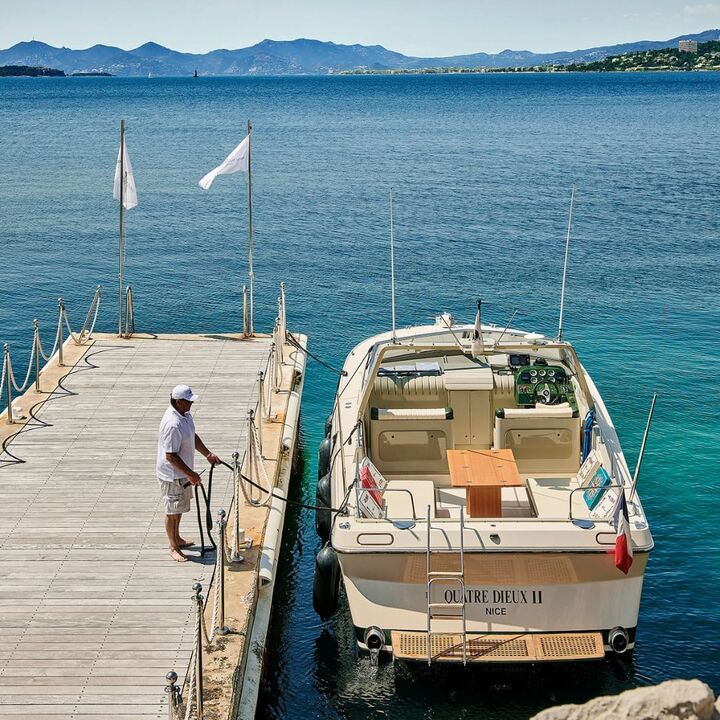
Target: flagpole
(392, 266)
(122, 222)
(250, 232)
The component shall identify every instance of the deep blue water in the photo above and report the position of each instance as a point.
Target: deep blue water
(482, 168)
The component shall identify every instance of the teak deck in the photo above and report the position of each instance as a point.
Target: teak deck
(93, 612)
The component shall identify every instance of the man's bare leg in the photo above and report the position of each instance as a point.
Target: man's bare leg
(172, 523)
(181, 542)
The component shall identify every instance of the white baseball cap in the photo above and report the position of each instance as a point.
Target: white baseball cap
(183, 392)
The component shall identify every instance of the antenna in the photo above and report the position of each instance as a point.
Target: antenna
(505, 329)
(392, 266)
(642, 447)
(449, 327)
(564, 278)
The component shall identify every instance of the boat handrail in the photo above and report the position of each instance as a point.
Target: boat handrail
(412, 503)
(605, 488)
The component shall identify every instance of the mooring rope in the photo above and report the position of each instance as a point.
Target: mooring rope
(45, 357)
(257, 460)
(293, 341)
(11, 374)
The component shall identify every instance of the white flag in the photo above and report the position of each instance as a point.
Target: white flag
(129, 189)
(236, 161)
(478, 347)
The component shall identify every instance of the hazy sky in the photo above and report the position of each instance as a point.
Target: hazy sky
(414, 27)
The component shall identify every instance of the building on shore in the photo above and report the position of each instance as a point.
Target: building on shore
(690, 46)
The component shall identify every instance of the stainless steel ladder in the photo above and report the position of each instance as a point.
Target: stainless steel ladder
(443, 610)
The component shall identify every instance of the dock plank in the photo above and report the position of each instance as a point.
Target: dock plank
(92, 610)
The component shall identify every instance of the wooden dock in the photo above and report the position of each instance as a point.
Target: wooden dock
(93, 612)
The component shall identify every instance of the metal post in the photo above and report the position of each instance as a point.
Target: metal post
(245, 311)
(236, 556)
(252, 450)
(278, 340)
(36, 346)
(221, 628)
(121, 248)
(198, 598)
(261, 390)
(271, 384)
(251, 324)
(284, 314)
(173, 693)
(273, 375)
(8, 383)
(61, 311)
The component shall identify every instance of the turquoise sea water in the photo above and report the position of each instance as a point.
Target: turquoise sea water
(481, 167)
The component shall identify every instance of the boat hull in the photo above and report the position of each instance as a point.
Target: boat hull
(505, 592)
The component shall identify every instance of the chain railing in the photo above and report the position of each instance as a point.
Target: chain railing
(8, 381)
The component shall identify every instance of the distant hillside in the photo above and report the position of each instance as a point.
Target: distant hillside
(707, 58)
(295, 57)
(27, 71)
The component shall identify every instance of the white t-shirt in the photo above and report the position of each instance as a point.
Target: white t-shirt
(176, 435)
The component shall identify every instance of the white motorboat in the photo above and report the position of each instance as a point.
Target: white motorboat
(472, 487)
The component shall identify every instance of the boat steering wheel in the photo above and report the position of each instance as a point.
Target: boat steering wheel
(547, 393)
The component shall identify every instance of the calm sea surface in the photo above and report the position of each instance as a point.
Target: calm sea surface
(482, 168)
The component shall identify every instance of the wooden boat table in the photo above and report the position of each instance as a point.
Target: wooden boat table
(484, 473)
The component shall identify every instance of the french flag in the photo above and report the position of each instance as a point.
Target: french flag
(623, 544)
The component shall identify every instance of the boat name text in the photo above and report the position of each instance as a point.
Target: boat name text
(496, 598)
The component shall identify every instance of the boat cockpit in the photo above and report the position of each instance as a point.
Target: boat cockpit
(523, 412)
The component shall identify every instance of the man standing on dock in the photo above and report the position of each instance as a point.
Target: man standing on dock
(177, 442)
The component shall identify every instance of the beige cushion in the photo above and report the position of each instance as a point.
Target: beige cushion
(541, 444)
(398, 503)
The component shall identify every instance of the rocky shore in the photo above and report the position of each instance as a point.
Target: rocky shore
(682, 699)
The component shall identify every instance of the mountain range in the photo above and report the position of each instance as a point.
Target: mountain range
(295, 57)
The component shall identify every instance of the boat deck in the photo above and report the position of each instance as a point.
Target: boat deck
(93, 612)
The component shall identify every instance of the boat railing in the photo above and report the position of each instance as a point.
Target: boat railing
(609, 515)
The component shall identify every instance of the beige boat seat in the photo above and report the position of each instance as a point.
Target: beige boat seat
(551, 496)
(409, 391)
(544, 439)
(402, 496)
(410, 440)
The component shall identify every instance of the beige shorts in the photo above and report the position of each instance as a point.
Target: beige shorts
(175, 497)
